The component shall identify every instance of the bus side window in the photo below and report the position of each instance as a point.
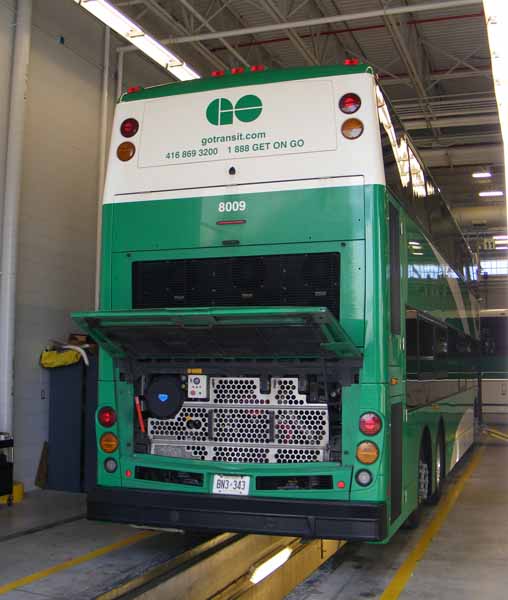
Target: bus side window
(411, 345)
(426, 348)
(441, 353)
(395, 308)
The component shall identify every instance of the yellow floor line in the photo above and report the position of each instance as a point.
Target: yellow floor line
(4, 589)
(401, 577)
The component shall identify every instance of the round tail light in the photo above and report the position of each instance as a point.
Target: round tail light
(352, 129)
(110, 465)
(107, 416)
(367, 453)
(370, 423)
(350, 103)
(129, 128)
(126, 151)
(108, 442)
(363, 477)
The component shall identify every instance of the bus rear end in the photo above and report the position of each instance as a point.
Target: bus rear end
(242, 374)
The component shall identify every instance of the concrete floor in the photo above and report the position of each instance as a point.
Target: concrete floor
(466, 560)
(48, 528)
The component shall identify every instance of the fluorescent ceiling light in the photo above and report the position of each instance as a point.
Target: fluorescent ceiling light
(491, 194)
(417, 253)
(502, 248)
(500, 237)
(270, 565)
(496, 17)
(482, 175)
(117, 21)
(416, 244)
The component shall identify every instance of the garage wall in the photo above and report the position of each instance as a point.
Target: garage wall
(56, 255)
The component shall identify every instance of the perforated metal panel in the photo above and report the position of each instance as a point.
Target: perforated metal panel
(239, 424)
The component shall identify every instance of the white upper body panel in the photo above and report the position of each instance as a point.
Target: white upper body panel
(291, 138)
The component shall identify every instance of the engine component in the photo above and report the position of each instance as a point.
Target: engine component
(165, 396)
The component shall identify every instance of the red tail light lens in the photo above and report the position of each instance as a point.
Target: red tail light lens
(129, 128)
(107, 416)
(350, 103)
(370, 423)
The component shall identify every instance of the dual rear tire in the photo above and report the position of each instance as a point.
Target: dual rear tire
(425, 476)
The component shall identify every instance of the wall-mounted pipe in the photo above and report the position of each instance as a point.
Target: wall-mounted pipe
(103, 143)
(13, 174)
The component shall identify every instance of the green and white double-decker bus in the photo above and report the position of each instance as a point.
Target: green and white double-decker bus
(283, 349)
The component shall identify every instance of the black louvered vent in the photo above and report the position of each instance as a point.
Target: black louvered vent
(278, 280)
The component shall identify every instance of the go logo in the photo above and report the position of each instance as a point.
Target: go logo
(222, 112)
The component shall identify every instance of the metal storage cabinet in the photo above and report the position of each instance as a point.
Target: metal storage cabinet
(71, 444)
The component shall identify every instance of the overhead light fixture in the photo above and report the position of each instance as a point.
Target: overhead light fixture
(482, 175)
(129, 30)
(491, 194)
(496, 17)
(500, 237)
(501, 247)
(417, 253)
(415, 244)
(270, 565)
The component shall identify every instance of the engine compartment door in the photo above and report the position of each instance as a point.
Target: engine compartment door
(219, 333)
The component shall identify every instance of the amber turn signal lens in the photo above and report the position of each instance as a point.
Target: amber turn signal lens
(126, 151)
(108, 442)
(352, 129)
(367, 453)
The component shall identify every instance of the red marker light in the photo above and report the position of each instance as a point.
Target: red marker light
(220, 73)
(349, 62)
(349, 103)
(370, 423)
(129, 127)
(128, 473)
(237, 70)
(233, 222)
(257, 68)
(107, 416)
(134, 89)
(341, 485)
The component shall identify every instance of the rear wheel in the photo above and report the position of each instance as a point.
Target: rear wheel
(423, 479)
(439, 470)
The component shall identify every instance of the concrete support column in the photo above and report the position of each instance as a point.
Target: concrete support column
(13, 174)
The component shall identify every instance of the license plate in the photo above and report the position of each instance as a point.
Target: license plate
(234, 485)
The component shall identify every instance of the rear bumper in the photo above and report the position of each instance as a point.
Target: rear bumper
(303, 518)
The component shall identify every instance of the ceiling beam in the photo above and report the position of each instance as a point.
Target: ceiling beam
(466, 121)
(399, 10)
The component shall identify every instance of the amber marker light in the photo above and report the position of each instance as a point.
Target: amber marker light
(108, 442)
(367, 453)
(352, 129)
(126, 151)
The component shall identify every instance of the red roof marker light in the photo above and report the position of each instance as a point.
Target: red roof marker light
(349, 62)
(237, 70)
(134, 89)
(257, 68)
(219, 73)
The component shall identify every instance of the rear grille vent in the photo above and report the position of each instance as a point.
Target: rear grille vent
(278, 280)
